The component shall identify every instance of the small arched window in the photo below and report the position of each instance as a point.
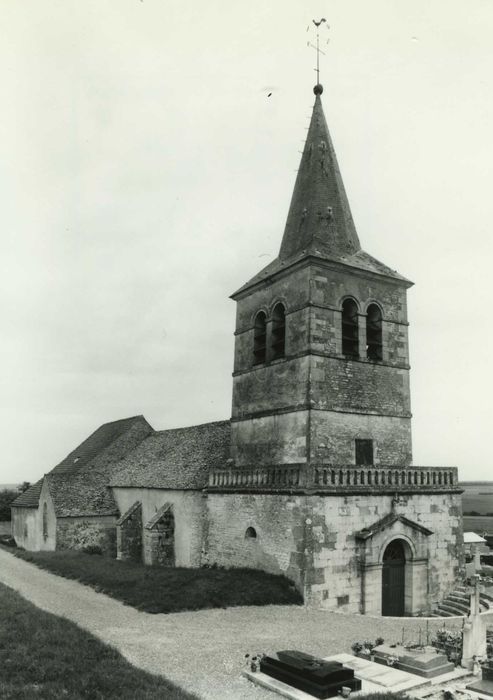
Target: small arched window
(374, 333)
(350, 341)
(45, 521)
(260, 338)
(278, 331)
(251, 533)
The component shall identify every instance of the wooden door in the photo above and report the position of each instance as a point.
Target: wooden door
(393, 579)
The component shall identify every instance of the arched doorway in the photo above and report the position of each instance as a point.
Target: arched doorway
(393, 579)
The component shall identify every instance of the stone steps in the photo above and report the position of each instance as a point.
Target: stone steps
(457, 603)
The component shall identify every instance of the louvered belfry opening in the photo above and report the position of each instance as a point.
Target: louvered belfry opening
(260, 338)
(374, 333)
(350, 340)
(278, 331)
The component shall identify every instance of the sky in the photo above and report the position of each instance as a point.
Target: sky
(146, 175)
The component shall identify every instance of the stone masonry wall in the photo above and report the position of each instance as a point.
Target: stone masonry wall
(189, 516)
(129, 535)
(332, 438)
(314, 374)
(159, 541)
(275, 387)
(28, 528)
(279, 524)
(317, 534)
(90, 531)
(277, 439)
(359, 387)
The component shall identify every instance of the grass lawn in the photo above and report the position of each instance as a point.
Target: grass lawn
(165, 590)
(44, 656)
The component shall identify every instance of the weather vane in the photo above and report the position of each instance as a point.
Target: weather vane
(317, 47)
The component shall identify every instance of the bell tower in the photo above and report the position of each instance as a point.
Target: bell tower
(321, 371)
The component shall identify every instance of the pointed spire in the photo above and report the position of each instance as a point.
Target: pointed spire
(319, 219)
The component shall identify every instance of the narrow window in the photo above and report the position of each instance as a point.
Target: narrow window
(350, 344)
(45, 521)
(364, 452)
(251, 533)
(374, 333)
(278, 331)
(259, 338)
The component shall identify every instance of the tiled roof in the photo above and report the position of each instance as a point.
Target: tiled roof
(93, 446)
(157, 516)
(82, 493)
(30, 497)
(176, 459)
(319, 214)
(359, 260)
(319, 221)
(81, 483)
(124, 516)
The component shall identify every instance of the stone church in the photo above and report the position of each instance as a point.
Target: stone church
(312, 477)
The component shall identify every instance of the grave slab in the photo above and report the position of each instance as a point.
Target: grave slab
(388, 678)
(287, 691)
(482, 688)
(424, 662)
(318, 677)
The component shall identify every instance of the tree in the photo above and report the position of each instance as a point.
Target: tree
(6, 498)
(24, 486)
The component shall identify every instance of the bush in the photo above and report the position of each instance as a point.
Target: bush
(92, 549)
(6, 498)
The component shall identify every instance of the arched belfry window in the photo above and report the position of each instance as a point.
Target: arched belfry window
(374, 333)
(278, 331)
(45, 521)
(350, 340)
(260, 338)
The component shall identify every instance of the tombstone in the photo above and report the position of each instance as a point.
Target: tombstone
(484, 686)
(322, 679)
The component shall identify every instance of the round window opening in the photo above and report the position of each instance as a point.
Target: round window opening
(251, 533)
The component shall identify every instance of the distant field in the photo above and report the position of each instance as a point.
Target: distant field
(478, 524)
(478, 496)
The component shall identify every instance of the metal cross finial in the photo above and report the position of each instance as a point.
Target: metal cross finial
(317, 47)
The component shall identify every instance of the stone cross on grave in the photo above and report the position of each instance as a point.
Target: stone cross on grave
(474, 631)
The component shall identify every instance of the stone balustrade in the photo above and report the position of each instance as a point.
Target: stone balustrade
(337, 479)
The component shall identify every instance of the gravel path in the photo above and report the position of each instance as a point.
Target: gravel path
(203, 652)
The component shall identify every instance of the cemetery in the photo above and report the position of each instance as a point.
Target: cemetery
(448, 664)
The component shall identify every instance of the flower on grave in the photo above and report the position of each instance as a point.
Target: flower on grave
(254, 661)
(392, 659)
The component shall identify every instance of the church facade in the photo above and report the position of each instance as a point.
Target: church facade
(312, 477)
